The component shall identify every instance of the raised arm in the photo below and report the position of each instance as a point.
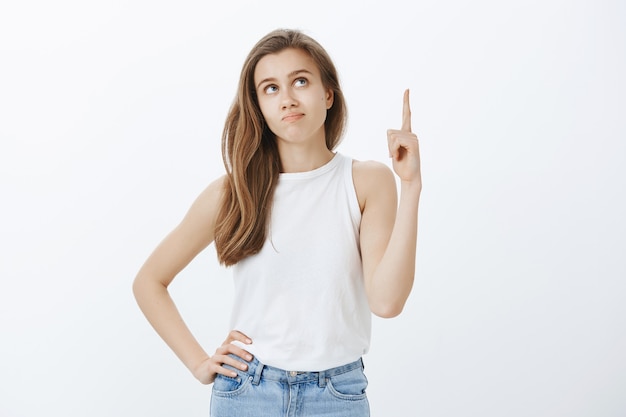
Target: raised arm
(388, 227)
(194, 233)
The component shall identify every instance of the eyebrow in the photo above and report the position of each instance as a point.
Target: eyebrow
(290, 75)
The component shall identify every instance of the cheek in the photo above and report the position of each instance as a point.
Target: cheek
(264, 110)
(269, 118)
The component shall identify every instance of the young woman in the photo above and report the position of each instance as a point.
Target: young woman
(317, 241)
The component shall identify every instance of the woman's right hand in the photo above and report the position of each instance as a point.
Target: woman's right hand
(208, 369)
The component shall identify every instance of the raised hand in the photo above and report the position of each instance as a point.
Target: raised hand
(404, 147)
(208, 369)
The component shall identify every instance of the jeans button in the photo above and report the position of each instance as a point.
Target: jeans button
(293, 373)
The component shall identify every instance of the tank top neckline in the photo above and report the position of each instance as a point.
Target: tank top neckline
(313, 173)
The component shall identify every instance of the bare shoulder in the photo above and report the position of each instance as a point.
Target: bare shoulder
(370, 169)
(208, 202)
(372, 178)
(202, 215)
(215, 190)
(194, 233)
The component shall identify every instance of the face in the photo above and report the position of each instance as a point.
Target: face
(291, 95)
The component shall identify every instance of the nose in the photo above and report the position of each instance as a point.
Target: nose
(287, 99)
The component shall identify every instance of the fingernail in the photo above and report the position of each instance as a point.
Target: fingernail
(249, 357)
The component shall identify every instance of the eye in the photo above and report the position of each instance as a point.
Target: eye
(301, 82)
(270, 89)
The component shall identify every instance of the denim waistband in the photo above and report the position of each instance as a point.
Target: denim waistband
(258, 370)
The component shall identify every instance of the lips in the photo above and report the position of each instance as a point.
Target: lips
(292, 117)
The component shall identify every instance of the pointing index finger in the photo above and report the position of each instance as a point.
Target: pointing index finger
(406, 112)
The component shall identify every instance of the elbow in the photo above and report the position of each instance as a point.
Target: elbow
(137, 288)
(140, 287)
(145, 286)
(388, 311)
(387, 306)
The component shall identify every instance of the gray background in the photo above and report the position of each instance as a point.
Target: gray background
(110, 122)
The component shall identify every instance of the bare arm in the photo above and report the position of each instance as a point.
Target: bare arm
(194, 233)
(388, 228)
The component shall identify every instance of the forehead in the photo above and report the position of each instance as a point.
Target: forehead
(284, 63)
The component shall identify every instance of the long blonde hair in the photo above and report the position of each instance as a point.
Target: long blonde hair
(250, 152)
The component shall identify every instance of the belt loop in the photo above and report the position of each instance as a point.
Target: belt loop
(257, 373)
(322, 379)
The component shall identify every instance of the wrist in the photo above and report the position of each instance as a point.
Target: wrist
(197, 365)
(411, 186)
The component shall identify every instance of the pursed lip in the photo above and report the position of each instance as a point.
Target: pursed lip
(292, 117)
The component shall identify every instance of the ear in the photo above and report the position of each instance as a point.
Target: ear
(329, 98)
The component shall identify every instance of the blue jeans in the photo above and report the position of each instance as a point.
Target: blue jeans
(272, 392)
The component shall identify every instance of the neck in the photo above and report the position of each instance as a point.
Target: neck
(303, 158)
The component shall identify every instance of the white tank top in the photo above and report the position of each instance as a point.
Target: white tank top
(301, 299)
